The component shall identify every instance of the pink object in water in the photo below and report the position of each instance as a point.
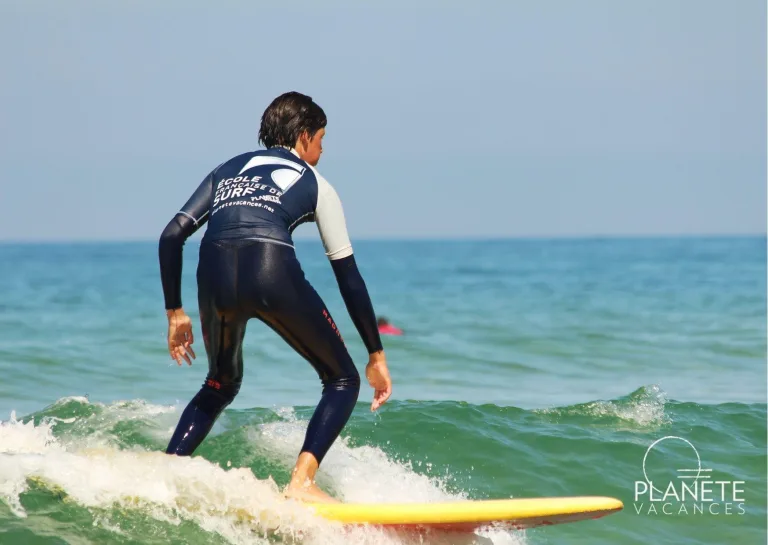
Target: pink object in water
(389, 329)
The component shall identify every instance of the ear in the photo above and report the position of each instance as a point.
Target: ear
(304, 139)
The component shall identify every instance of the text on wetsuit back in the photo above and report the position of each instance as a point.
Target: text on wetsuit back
(242, 186)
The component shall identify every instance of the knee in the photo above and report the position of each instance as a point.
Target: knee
(214, 397)
(349, 383)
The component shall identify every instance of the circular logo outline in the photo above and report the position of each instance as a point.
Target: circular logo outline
(656, 442)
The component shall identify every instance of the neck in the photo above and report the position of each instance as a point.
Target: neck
(291, 149)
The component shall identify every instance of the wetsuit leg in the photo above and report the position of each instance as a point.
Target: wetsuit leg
(286, 301)
(223, 327)
(341, 385)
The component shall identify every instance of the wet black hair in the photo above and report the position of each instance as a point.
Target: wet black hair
(287, 117)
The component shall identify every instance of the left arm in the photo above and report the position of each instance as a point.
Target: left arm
(192, 216)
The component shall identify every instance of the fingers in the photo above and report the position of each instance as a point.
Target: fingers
(181, 351)
(180, 339)
(172, 351)
(380, 397)
(186, 357)
(188, 340)
(378, 377)
(177, 353)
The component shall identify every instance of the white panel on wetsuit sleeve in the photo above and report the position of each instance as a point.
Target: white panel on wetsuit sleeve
(329, 216)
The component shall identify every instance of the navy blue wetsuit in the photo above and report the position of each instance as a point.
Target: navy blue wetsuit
(248, 269)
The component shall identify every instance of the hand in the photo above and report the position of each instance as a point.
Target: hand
(180, 337)
(378, 377)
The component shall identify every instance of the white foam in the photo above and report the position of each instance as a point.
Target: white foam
(97, 429)
(646, 410)
(168, 488)
(355, 474)
(68, 399)
(23, 438)
(231, 502)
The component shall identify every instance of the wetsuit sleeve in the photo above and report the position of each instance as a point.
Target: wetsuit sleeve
(358, 302)
(329, 216)
(189, 219)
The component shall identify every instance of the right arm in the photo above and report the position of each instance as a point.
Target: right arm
(329, 216)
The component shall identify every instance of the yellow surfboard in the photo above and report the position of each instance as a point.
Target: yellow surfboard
(467, 516)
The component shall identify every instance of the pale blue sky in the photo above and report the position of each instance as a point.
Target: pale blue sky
(445, 119)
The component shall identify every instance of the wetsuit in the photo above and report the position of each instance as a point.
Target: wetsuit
(248, 269)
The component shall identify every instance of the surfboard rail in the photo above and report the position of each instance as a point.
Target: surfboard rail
(468, 515)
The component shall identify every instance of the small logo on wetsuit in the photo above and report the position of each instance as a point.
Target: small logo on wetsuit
(333, 324)
(213, 384)
(270, 198)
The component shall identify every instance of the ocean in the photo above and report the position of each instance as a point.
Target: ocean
(532, 367)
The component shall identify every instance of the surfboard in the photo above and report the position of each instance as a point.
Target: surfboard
(471, 515)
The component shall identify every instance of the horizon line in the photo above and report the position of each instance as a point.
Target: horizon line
(451, 238)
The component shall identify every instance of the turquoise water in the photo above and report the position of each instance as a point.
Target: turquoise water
(528, 368)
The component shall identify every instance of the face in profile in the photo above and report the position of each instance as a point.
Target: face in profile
(313, 147)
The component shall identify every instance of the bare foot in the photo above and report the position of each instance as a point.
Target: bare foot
(309, 494)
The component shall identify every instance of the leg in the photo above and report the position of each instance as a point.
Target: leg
(198, 418)
(297, 313)
(223, 341)
(223, 333)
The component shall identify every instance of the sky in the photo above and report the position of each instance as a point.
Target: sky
(445, 119)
